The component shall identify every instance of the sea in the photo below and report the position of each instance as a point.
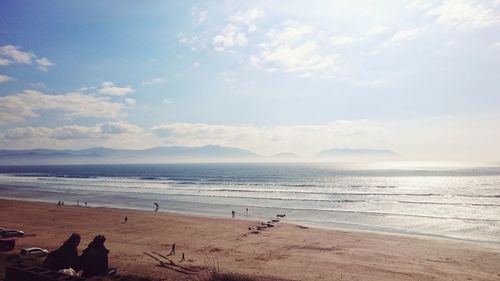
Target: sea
(450, 200)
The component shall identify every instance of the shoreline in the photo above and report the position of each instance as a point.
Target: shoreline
(284, 252)
(337, 226)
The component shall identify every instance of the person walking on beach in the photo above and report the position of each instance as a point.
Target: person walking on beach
(126, 219)
(183, 259)
(233, 213)
(173, 250)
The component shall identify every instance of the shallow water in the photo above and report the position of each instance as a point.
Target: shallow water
(456, 201)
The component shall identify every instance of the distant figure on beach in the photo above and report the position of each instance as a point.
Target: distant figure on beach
(58, 203)
(233, 213)
(126, 219)
(183, 259)
(172, 252)
(77, 202)
(85, 203)
(94, 260)
(247, 211)
(156, 206)
(65, 256)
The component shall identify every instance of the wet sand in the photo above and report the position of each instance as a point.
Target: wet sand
(289, 252)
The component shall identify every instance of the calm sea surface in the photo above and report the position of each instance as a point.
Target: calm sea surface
(456, 201)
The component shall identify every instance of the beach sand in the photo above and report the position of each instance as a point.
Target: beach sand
(287, 251)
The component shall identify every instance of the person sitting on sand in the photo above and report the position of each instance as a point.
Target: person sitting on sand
(65, 256)
(94, 260)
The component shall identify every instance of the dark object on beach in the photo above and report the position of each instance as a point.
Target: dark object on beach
(7, 245)
(233, 213)
(65, 256)
(58, 203)
(126, 219)
(172, 252)
(281, 215)
(35, 252)
(183, 258)
(5, 233)
(156, 206)
(77, 202)
(85, 203)
(94, 260)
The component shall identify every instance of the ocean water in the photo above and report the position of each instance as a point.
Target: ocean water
(446, 200)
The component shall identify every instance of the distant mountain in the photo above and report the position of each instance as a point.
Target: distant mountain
(361, 153)
(109, 155)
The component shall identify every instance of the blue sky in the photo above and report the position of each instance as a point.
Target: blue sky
(417, 77)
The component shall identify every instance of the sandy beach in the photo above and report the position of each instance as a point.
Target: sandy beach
(284, 252)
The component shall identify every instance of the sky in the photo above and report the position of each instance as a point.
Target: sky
(421, 78)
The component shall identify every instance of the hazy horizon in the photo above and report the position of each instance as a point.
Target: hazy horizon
(416, 77)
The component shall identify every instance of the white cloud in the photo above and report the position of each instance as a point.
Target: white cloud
(343, 40)
(156, 80)
(109, 89)
(403, 35)
(461, 14)
(30, 104)
(44, 64)
(294, 49)
(302, 57)
(290, 34)
(166, 101)
(247, 18)
(4, 61)
(10, 54)
(377, 29)
(199, 16)
(202, 17)
(231, 36)
(185, 40)
(119, 128)
(254, 62)
(130, 101)
(72, 132)
(419, 4)
(27, 132)
(5, 78)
